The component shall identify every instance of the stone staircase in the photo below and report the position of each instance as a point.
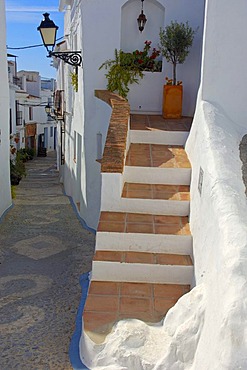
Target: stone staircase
(143, 264)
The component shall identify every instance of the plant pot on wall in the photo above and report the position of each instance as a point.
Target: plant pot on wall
(172, 101)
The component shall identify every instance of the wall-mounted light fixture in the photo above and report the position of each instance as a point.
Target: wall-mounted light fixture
(48, 32)
(141, 20)
(50, 112)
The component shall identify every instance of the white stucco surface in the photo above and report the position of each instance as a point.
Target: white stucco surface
(5, 196)
(85, 115)
(206, 329)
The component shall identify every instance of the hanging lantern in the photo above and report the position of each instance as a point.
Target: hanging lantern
(141, 20)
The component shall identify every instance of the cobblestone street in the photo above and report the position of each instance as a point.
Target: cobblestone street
(43, 251)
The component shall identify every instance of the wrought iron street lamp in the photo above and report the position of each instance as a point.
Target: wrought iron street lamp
(48, 32)
(141, 20)
(48, 109)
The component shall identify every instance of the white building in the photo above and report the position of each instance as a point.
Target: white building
(29, 94)
(97, 28)
(5, 195)
(207, 328)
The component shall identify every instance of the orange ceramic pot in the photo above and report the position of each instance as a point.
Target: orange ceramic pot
(172, 101)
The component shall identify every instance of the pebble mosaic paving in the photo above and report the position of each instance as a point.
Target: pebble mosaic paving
(43, 251)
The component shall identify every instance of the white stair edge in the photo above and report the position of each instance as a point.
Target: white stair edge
(138, 242)
(158, 137)
(152, 175)
(151, 206)
(144, 273)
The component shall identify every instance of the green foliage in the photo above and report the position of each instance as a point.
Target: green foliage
(122, 72)
(127, 68)
(74, 80)
(17, 169)
(13, 193)
(175, 43)
(26, 154)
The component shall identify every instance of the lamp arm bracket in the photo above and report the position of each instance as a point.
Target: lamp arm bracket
(71, 57)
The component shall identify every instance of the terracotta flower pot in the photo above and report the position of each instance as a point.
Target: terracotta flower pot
(172, 101)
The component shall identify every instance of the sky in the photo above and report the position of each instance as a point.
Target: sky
(22, 19)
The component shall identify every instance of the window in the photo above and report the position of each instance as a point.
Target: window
(19, 119)
(51, 131)
(30, 113)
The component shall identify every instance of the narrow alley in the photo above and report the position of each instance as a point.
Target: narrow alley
(44, 249)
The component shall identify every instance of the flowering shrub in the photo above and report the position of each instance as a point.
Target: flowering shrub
(169, 81)
(145, 60)
(128, 68)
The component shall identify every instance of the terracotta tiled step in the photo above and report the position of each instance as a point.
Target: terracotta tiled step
(156, 191)
(156, 122)
(110, 301)
(157, 156)
(123, 222)
(142, 257)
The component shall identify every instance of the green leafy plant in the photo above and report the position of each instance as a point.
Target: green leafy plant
(175, 43)
(122, 72)
(127, 68)
(17, 169)
(74, 80)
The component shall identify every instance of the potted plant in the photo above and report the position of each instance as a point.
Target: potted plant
(175, 43)
(127, 68)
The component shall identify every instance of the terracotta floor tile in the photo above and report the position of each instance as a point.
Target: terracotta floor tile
(172, 291)
(162, 305)
(166, 188)
(136, 289)
(101, 303)
(173, 259)
(184, 196)
(156, 122)
(139, 228)
(124, 193)
(113, 216)
(99, 322)
(136, 186)
(185, 230)
(167, 229)
(171, 220)
(130, 304)
(139, 194)
(184, 220)
(165, 195)
(111, 227)
(104, 287)
(139, 217)
(113, 256)
(183, 188)
(139, 162)
(139, 257)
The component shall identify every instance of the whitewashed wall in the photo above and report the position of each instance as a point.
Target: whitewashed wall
(5, 196)
(218, 215)
(97, 40)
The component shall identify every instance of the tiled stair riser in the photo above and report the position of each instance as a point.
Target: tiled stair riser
(157, 137)
(142, 273)
(179, 244)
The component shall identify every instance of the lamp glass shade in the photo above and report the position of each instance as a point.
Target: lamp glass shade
(48, 109)
(141, 20)
(48, 31)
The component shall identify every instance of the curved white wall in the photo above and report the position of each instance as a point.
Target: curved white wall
(5, 197)
(218, 215)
